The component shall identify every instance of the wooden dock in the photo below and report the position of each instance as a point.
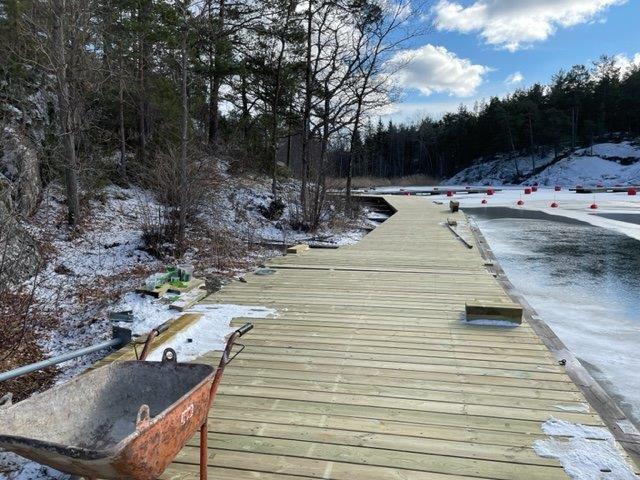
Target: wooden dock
(369, 371)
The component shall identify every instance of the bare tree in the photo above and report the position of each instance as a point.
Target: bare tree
(61, 34)
(282, 35)
(382, 31)
(182, 169)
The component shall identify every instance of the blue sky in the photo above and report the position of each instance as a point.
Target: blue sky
(474, 47)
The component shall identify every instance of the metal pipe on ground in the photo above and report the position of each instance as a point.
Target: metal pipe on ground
(121, 336)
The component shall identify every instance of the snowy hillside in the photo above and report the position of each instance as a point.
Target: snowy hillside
(85, 272)
(606, 163)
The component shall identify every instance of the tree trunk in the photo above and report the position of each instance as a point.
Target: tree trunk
(306, 115)
(533, 157)
(65, 114)
(573, 126)
(216, 78)
(276, 104)
(123, 138)
(182, 220)
(318, 199)
(352, 146)
(143, 103)
(245, 107)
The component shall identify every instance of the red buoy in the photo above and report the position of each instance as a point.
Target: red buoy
(489, 191)
(484, 201)
(558, 188)
(407, 193)
(449, 193)
(520, 202)
(593, 206)
(534, 188)
(527, 191)
(631, 191)
(554, 205)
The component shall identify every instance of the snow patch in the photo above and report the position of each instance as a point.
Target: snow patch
(580, 407)
(588, 170)
(613, 150)
(585, 452)
(19, 468)
(491, 322)
(148, 312)
(210, 331)
(500, 170)
(606, 163)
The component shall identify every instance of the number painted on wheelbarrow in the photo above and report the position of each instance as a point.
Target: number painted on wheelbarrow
(186, 414)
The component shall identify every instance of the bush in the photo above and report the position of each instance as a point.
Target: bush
(274, 210)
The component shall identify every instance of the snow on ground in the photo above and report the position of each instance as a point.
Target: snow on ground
(148, 312)
(210, 331)
(490, 322)
(244, 200)
(15, 467)
(622, 150)
(588, 170)
(503, 170)
(586, 453)
(85, 272)
(606, 163)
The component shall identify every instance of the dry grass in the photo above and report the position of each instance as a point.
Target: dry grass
(369, 182)
(18, 338)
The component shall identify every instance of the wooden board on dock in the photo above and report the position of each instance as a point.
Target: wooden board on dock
(188, 299)
(493, 310)
(165, 287)
(302, 247)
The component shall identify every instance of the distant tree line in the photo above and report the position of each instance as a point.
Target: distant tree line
(578, 107)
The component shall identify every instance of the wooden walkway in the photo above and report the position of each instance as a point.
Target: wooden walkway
(368, 372)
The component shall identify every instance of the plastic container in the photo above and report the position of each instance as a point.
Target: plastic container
(186, 272)
(154, 281)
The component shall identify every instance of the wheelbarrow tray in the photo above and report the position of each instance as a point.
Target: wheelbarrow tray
(93, 425)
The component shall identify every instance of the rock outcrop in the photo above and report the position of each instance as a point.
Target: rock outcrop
(20, 165)
(19, 255)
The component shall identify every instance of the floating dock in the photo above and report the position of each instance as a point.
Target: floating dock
(370, 371)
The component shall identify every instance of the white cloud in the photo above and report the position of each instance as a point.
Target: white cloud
(433, 69)
(411, 112)
(514, 79)
(626, 64)
(516, 24)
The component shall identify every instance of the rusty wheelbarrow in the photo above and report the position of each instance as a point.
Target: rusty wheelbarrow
(126, 420)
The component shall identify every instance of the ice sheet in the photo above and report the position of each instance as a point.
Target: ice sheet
(583, 282)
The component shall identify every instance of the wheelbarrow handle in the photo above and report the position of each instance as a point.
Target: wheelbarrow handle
(246, 328)
(231, 341)
(226, 357)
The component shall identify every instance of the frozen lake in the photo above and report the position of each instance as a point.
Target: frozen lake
(584, 282)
